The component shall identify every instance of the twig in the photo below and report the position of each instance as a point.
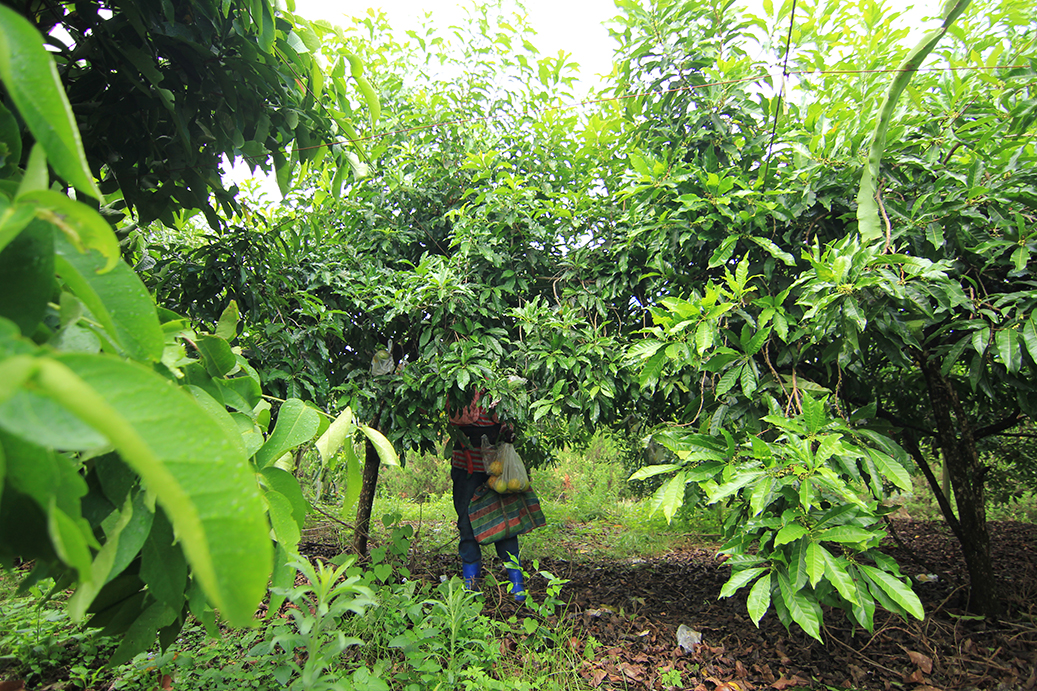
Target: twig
(885, 217)
(333, 517)
(862, 656)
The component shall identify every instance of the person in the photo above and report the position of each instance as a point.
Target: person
(467, 474)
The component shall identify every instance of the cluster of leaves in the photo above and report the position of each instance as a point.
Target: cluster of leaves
(805, 511)
(137, 454)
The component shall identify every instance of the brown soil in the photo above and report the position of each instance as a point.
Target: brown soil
(633, 609)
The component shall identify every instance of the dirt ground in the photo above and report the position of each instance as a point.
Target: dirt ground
(633, 609)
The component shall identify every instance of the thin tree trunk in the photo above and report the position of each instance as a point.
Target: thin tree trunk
(966, 474)
(365, 502)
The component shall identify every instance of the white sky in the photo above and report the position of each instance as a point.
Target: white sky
(571, 25)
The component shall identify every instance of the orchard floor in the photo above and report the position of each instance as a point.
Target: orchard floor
(633, 608)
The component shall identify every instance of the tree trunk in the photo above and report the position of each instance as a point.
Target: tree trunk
(366, 500)
(966, 474)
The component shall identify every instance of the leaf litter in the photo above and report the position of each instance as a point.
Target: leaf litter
(627, 613)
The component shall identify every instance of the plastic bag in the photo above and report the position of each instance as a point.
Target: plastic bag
(510, 475)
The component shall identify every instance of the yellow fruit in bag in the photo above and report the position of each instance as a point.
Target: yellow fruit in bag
(492, 481)
(496, 468)
(516, 485)
(500, 486)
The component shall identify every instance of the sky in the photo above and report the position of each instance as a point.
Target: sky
(571, 25)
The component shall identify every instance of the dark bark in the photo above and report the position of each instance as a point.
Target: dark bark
(958, 445)
(372, 463)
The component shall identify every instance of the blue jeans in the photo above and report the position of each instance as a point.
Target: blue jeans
(465, 484)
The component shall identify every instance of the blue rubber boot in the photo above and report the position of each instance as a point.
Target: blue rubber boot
(470, 573)
(518, 587)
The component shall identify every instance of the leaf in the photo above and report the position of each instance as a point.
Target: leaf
(217, 354)
(186, 459)
(814, 416)
(790, 533)
(815, 562)
(1030, 336)
(285, 527)
(739, 579)
(117, 299)
(162, 566)
(32, 82)
(285, 483)
(897, 591)
(1005, 340)
(296, 424)
(742, 479)
(891, 469)
(82, 226)
(846, 534)
(837, 575)
(724, 251)
(227, 328)
(340, 429)
(775, 251)
(802, 608)
(670, 496)
(386, 452)
(759, 599)
(354, 482)
(653, 470)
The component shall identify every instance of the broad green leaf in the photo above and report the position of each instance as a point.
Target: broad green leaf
(285, 483)
(217, 355)
(896, 589)
(864, 609)
(846, 534)
(729, 379)
(739, 579)
(117, 299)
(31, 80)
(815, 557)
(790, 533)
(162, 566)
(186, 459)
(227, 328)
(760, 495)
(759, 599)
(341, 429)
(801, 606)
(771, 248)
(285, 528)
(670, 496)
(386, 452)
(13, 219)
(743, 478)
(296, 424)
(27, 276)
(1006, 340)
(354, 482)
(724, 252)
(653, 470)
(1030, 336)
(69, 541)
(891, 469)
(82, 226)
(813, 414)
(837, 575)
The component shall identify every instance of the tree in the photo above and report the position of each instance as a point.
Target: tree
(135, 460)
(901, 299)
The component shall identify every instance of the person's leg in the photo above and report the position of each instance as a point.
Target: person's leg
(464, 486)
(508, 551)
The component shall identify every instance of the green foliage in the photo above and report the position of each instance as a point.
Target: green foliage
(133, 450)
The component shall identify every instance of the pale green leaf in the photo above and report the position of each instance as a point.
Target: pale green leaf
(386, 452)
(186, 459)
(32, 81)
(759, 599)
(790, 533)
(815, 558)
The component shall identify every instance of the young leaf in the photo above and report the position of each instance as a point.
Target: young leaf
(815, 557)
(790, 533)
(803, 609)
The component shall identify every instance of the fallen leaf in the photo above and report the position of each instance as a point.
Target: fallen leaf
(12, 685)
(784, 683)
(924, 662)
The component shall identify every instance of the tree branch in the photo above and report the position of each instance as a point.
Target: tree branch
(998, 427)
(911, 444)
